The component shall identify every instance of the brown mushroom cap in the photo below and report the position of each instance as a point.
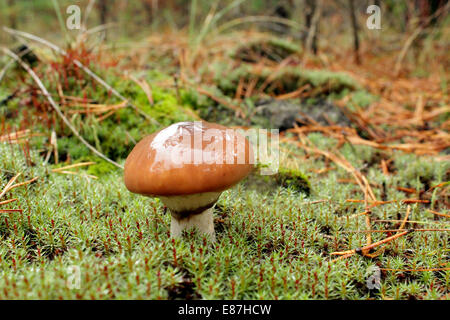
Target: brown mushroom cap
(188, 158)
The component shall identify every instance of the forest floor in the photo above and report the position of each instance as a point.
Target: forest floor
(358, 210)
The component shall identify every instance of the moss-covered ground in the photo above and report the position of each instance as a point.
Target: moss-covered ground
(270, 245)
(276, 235)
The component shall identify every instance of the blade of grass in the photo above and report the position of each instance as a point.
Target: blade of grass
(61, 20)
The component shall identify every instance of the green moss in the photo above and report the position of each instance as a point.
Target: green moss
(272, 244)
(115, 136)
(166, 108)
(271, 241)
(71, 147)
(285, 80)
(421, 173)
(294, 179)
(361, 99)
(286, 178)
(275, 49)
(101, 167)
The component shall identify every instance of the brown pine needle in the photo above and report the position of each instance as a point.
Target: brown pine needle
(54, 145)
(145, 87)
(406, 201)
(16, 136)
(408, 210)
(407, 190)
(438, 186)
(402, 226)
(9, 184)
(353, 215)
(77, 174)
(89, 108)
(342, 257)
(373, 245)
(323, 170)
(416, 270)
(106, 115)
(376, 203)
(8, 201)
(81, 164)
(227, 104)
(316, 201)
(238, 93)
(10, 210)
(22, 183)
(392, 230)
(294, 94)
(384, 167)
(340, 161)
(367, 218)
(410, 221)
(439, 214)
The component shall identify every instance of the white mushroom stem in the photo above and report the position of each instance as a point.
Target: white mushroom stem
(203, 222)
(192, 211)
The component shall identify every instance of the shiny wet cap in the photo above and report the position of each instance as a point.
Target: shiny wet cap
(188, 158)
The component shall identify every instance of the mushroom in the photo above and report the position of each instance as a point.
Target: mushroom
(187, 166)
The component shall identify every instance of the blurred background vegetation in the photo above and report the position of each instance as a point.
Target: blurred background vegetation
(134, 19)
(223, 61)
(364, 124)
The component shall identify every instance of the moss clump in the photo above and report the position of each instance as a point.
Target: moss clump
(285, 80)
(101, 167)
(116, 136)
(294, 179)
(285, 178)
(70, 147)
(362, 99)
(271, 49)
(166, 109)
(421, 173)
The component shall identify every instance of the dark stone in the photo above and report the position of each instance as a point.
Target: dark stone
(26, 54)
(283, 115)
